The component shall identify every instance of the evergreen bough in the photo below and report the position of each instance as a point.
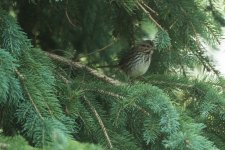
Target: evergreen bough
(50, 101)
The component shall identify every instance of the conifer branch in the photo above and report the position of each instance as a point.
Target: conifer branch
(20, 75)
(65, 80)
(142, 110)
(101, 49)
(42, 119)
(171, 26)
(149, 8)
(22, 78)
(149, 15)
(98, 50)
(88, 69)
(106, 93)
(206, 64)
(180, 85)
(117, 96)
(213, 34)
(99, 121)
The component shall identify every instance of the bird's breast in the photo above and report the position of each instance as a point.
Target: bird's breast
(139, 68)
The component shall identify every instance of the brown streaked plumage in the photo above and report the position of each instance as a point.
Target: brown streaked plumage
(138, 60)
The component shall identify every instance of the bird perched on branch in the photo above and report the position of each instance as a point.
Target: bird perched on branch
(137, 61)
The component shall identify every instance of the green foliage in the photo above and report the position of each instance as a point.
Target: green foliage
(63, 105)
(9, 82)
(19, 143)
(14, 143)
(39, 111)
(13, 39)
(190, 138)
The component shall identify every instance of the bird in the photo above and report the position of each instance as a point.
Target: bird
(137, 61)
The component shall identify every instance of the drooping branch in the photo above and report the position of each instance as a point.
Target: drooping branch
(88, 69)
(206, 64)
(171, 84)
(149, 8)
(99, 121)
(22, 79)
(198, 54)
(117, 96)
(68, 18)
(149, 15)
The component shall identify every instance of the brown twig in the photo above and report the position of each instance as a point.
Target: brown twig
(88, 69)
(65, 80)
(118, 97)
(101, 49)
(98, 50)
(96, 74)
(68, 18)
(106, 93)
(20, 75)
(149, 15)
(99, 121)
(22, 78)
(149, 8)
(173, 23)
(67, 15)
(181, 85)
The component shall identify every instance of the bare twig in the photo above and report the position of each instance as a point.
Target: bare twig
(65, 80)
(68, 18)
(149, 8)
(149, 15)
(20, 75)
(99, 121)
(67, 15)
(88, 69)
(101, 49)
(171, 26)
(98, 50)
